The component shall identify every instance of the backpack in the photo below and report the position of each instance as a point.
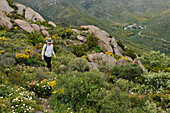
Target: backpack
(45, 49)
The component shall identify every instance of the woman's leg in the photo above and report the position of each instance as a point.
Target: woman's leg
(48, 61)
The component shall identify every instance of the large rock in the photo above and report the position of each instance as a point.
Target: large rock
(75, 30)
(4, 20)
(30, 14)
(4, 6)
(35, 27)
(103, 58)
(24, 25)
(45, 32)
(122, 61)
(52, 23)
(81, 38)
(101, 35)
(43, 27)
(138, 62)
(20, 8)
(93, 65)
(117, 49)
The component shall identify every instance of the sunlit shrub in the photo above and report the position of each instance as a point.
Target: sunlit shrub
(74, 89)
(157, 81)
(92, 41)
(79, 64)
(78, 50)
(18, 100)
(129, 71)
(42, 88)
(21, 57)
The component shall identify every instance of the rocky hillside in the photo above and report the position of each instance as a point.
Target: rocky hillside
(93, 71)
(105, 14)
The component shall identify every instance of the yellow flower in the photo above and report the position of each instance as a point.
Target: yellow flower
(3, 39)
(5, 31)
(65, 43)
(51, 62)
(28, 50)
(1, 51)
(46, 38)
(15, 27)
(125, 58)
(54, 92)
(21, 56)
(109, 53)
(84, 56)
(52, 83)
(7, 14)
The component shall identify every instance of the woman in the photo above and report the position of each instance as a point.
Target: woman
(47, 53)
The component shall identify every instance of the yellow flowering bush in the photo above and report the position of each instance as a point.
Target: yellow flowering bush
(109, 53)
(2, 51)
(21, 56)
(41, 45)
(125, 58)
(52, 83)
(15, 27)
(65, 43)
(28, 50)
(84, 56)
(69, 31)
(2, 39)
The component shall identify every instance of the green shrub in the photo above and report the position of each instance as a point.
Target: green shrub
(78, 51)
(41, 89)
(121, 44)
(155, 61)
(130, 53)
(79, 64)
(92, 41)
(123, 84)
(11, 4)
(73, 89)
(158, 81)
(114, 101)
(129, 71)
(35, 38)
(19, 35)
(17, 99)
(97, 48)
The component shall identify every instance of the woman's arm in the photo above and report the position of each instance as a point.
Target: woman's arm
(53, 52)
(43, 52)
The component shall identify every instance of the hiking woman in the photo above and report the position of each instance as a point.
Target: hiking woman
(47, 53)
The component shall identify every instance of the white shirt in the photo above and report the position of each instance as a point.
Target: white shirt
(49, 51)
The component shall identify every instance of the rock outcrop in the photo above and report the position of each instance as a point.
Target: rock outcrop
(103, 58)
(24, 25)
(21, 8)
(45, 32)
(117, 49)
(30, 14)
(4, 6)
(138, 62)
(4, 20)
(93, 65)
(52, 23)
(81, 38)
(36, 27)
(103, 37)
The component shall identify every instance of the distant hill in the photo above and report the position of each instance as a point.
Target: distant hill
(154, 14)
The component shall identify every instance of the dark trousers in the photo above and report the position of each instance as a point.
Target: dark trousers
(48, 61)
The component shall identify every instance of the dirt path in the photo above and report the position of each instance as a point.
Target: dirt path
(44, 104)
